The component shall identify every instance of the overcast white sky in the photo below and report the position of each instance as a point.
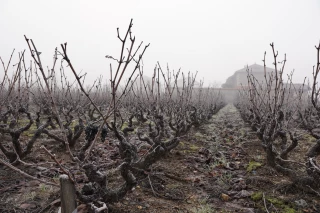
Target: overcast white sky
(215, 38)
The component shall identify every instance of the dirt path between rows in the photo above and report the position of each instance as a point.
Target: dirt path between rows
(216, 168)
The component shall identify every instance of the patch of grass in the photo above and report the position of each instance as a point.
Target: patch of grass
(125, 124)
(203, 209)
(259, 157)
(309, 138)
(203, 201)
(288, 210)
(242, 132)
(226, 177)
(172, 186)
(23, 122)
(33, 128)
(135, 121)
(198, 135)
(256, 196)
(280, 204)
(275, 201)
(56, 179)
(253, 165)
(182, 143)
(194, 147)
(30, 195)
(73, 124)
(30, 132)
(45, 188)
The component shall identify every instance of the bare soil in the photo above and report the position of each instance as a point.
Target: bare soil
(219, 167)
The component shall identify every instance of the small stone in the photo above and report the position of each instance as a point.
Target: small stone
(33, 183)
(225, 197)
(147, 205)
(189, 201)
(243, 193)
(27, 206)
(229, 126)
(301, 203)
(40, 168)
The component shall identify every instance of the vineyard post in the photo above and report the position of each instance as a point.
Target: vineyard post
(67, 195)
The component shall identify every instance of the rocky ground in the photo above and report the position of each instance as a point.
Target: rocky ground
(216, 168)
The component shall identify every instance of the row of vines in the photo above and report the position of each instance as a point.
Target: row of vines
(121, 125)
(281, 113)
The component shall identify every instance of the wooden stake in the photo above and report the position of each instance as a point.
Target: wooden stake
(68, 195)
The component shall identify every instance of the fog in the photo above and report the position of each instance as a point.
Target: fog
(214, 38)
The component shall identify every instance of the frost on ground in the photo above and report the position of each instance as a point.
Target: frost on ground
(219, 167)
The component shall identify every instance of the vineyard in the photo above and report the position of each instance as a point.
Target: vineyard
(160, 145)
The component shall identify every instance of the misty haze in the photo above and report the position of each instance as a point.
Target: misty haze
(160, 106)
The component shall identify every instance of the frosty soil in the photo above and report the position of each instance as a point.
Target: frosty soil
(217, 168)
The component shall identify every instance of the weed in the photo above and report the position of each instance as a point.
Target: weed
(203, 209)
(256, 196)
(45, 188)
(253, 165)
(30, 195)
(56, 179)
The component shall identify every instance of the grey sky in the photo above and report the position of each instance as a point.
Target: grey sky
(215, 38)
